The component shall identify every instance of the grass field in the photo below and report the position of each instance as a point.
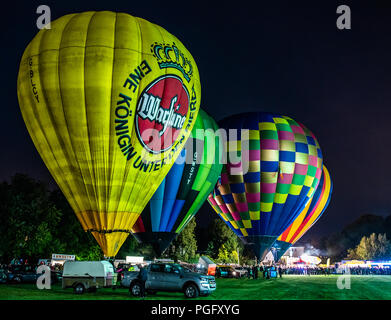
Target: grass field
(287, 288)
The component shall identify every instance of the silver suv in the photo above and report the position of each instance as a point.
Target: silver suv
(170, 277)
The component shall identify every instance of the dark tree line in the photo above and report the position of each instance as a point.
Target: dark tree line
(36, 222)
(374, 247)
(339, 245)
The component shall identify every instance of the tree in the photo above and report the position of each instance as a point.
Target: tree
(374, 247)
(184, 247)
(36, 222)
(28, 219)
(223, 238)
(91, 253)
(337, 244)
(210, 251)
(352, 255)
(225, 256)
(70, 232)
(234, 257)
(131, 247)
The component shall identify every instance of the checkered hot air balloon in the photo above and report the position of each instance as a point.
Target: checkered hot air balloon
(277, 170)
(184, 189)
(307, 218)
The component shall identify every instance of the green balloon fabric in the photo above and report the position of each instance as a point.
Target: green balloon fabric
(184, 189)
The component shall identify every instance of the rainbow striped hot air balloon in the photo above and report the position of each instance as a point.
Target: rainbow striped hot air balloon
(284, 164)
(184, 189)
(307, 218)
(109, 101)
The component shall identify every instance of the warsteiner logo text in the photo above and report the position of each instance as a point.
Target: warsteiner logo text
(163, 107)
(149, 108)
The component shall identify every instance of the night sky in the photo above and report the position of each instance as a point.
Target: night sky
(287, 57)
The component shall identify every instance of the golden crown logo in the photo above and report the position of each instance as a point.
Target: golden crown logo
(169, 56)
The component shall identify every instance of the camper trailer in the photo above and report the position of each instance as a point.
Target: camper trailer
(88, 275)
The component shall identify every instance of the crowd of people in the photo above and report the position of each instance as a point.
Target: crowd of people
(266, 271)
(309, 270)
(367, 271)
(314, 270)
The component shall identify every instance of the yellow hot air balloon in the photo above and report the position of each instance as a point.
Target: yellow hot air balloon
(109, 101)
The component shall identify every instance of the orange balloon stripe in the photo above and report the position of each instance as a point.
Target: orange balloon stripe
(296, 224)
(317, 211)
(306, 220)
(285, 234)
(303, 222)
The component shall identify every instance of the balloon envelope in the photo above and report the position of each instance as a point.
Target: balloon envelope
(307, 218)
(184, 189)
(276, 171)
(109, 101)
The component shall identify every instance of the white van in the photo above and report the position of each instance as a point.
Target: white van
(88, 275)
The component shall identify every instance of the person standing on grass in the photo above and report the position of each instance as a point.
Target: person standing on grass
(142, 276)
(280, 271)
(249, 272)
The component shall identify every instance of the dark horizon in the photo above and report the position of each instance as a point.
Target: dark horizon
(284, 58)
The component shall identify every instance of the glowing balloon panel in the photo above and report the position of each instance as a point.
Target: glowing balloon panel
(109, 101)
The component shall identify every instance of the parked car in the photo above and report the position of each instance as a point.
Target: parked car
(225, 272)
(125, 268)
(88, 275)
(22, 274)
(127, 276)
(171, 277)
